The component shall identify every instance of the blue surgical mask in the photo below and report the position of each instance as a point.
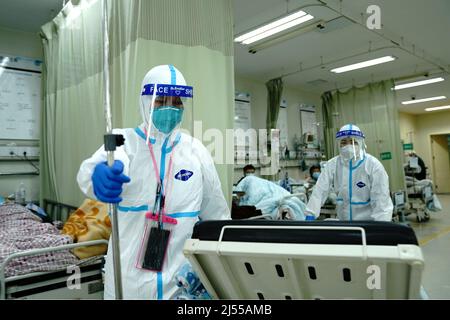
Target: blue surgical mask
(167, 118)
(315, 175)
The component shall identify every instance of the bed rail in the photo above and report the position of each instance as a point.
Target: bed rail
(58, 211)
(33, 252)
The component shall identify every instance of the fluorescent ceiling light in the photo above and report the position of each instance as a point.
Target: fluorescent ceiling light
(284, 37)
(418, 83)
(364, 64)
(274, 27)
(437, 108)
(424, 100)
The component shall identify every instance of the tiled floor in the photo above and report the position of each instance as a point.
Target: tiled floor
(434, 239)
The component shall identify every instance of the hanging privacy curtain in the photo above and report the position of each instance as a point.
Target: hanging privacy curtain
(196, 36)
(274, 92)
(330, 133)
(373, 109)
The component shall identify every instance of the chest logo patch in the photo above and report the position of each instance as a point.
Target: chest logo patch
(184, 175)
(361, 184)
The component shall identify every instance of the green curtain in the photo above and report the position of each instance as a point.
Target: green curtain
(274, 92)
(373, 109)
(196, 36)
(327, 115)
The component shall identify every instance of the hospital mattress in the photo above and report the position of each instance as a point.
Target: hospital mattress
(376, 232)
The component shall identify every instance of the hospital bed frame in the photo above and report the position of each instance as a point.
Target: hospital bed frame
(419, 202)
(399, 203)
(54, 284)
(306, 260)
(58, 211)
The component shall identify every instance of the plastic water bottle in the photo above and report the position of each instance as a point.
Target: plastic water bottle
(21, 194)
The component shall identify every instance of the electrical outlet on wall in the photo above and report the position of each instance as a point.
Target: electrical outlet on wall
(14, 151)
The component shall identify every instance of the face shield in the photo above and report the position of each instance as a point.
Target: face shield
(166, 108)
(350, 143)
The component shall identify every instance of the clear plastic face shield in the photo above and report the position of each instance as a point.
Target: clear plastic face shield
(351, 147)
(166, 109)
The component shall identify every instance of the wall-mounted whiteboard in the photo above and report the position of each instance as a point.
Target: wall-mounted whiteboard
(242, 111)
(20, 97)
(308, 119)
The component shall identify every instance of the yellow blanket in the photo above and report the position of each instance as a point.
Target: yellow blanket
(89, 222)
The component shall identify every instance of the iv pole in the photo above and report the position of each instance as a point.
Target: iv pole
(111, 142)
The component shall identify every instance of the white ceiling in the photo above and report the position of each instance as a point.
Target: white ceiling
(422, 23)
(28, 15)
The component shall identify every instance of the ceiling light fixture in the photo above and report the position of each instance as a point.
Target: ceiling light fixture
(418, 83)
(437, 108)
(277, 26)
(285, 36)
(364, 64)
(424, 100)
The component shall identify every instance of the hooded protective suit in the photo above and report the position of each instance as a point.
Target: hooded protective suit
(359, 180)
(192, 191)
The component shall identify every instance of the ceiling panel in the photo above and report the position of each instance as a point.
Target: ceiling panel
(28, 15)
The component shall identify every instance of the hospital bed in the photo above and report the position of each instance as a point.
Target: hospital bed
(58, 284)
(420, 198)
(257, 259)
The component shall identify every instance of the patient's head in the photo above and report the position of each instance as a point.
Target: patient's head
(249, 170)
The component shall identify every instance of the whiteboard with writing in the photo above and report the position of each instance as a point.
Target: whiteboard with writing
(242, 114)
(20, 98)
(308, 119)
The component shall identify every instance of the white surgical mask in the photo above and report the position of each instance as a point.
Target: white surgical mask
(347, 152)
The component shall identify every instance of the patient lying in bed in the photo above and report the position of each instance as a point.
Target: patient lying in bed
(270, 198)
(22, 230)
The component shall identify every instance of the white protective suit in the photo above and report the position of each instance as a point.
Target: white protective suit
(194, 193)
(361, 186)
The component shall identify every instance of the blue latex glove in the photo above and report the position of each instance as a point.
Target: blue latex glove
(310, 218)
(107, 181)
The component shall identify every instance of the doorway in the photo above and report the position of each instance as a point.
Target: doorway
(440, 155)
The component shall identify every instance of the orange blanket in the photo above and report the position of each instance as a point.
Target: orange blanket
(89, 222)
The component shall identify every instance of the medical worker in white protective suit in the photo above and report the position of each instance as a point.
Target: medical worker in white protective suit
(156, 156)
(358, 179)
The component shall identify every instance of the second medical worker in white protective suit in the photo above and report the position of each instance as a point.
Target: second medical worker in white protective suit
(358, 179)
(182, 167)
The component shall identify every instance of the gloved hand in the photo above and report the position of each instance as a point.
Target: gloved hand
(310, 218)
(107, 181)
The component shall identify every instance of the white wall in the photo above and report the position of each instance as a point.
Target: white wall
(18, 43)
(293, 96)
(408, 130)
